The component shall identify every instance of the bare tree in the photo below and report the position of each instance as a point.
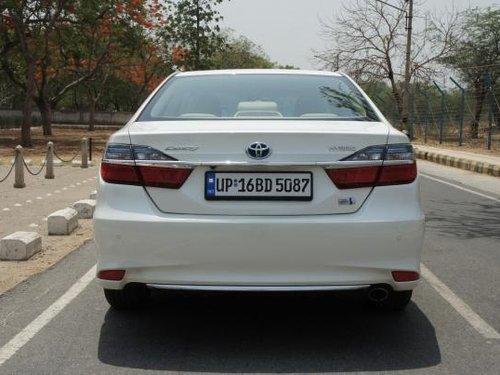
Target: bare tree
(368, 40)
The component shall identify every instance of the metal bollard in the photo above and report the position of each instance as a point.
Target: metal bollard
(19, 168)
(85, 153)
(49, 162)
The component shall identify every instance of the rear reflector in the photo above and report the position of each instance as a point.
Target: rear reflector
(172, 178)
(351, 178)
(405, 275)
(112, 275)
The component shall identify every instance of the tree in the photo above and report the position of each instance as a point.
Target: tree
(369, 39)
(475, 54)
(240, 52)
(103, 39)
(192, 32)
(15, 45)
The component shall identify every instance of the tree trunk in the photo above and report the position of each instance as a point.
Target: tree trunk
(28, 105)
(480, 94)
(92, 102)
(44, 106)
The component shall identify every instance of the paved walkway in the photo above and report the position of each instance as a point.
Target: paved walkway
(480, 163)
(27, 208)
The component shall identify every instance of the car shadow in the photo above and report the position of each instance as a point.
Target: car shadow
(253, 333)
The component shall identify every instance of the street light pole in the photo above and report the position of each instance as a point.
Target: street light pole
(409, 27)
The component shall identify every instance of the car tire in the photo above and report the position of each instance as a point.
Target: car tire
(396, 301)
(128, 298)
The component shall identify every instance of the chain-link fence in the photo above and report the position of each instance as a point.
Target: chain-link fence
(448, 115)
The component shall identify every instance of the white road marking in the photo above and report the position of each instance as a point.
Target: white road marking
(18, 205)
(23, 337)
(48, 194)
(460, 306)
(6, 209)
(29, 201)
(65, 188)
(78, 184)
(33, 225)
(39, 198)
(71, 186)
(57, 191)
(460, 188)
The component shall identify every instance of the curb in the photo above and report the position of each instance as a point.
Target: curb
(462, 163)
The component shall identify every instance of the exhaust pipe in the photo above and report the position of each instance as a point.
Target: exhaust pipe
(378, 293)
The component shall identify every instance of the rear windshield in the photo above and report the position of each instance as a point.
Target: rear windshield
(258, 96)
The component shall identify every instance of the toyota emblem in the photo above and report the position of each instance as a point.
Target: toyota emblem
(258, 150)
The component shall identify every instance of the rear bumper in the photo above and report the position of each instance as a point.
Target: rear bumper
(259, 252)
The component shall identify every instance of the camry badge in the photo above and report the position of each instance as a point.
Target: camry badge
(258, 150)
(182, 148)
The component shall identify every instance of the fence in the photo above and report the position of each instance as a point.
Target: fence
(444, 115)
(20, 165)
(13, 118)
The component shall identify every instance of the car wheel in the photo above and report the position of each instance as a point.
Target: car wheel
(396, 301)
(130, 297)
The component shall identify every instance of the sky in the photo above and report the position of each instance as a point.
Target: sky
(289, 30)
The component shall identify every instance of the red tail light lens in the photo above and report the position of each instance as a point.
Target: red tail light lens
(397, 174)
(119, 174)
(119, 166)
(397, 167)
(350, 178)
(171, 178)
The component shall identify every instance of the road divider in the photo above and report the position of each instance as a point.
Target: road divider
(62, 222)
(20, 246)
(440, 157)
(85, 208)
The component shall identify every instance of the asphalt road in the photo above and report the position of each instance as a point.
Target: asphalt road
(449, 328)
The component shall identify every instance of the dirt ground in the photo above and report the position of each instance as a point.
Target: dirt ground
(54, 248)
(66, 142)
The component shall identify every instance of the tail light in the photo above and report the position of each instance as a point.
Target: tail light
(141, 165)
(393, 165)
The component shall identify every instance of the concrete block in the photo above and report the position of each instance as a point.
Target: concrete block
(78, 163)
(20, 246)
(62, 222)
(93, 195)
(85, 208)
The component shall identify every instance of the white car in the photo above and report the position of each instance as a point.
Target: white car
(259, 180)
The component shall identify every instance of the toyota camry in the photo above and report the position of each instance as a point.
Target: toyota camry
(258, 180)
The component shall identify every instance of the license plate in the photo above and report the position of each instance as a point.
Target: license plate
(294, 186)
